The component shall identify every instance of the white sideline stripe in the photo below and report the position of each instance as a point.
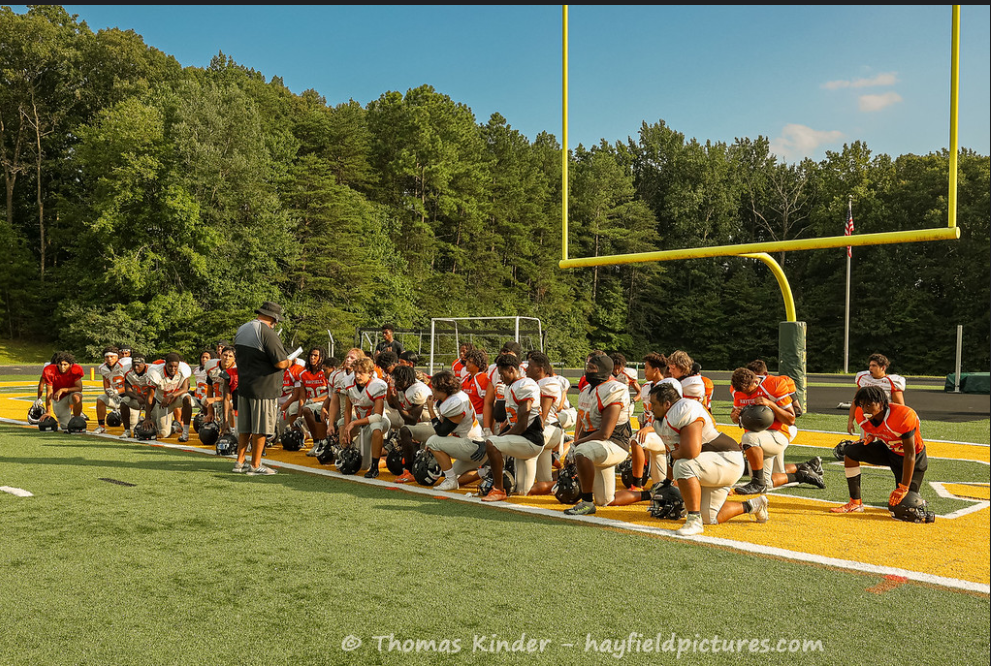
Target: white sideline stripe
(846, 434)
(742, 546)
(20, 492)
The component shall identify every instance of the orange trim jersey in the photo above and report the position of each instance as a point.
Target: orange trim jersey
(475, 387)
(682, 414)
(201, 374)
(889, 383)
(898, 421)
(141, 383)
(495, 380)
(550, 387)
(115, 375)
(519, 392)
(773, 389)
(363, 399)
(459, 405)
(698, 388)
(593, 400)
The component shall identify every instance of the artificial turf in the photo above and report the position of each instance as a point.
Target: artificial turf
(195, 565)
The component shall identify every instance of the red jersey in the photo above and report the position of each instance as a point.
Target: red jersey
(232, 382)
(475, 386)
(289, 378)
(896, 422)
(314, 383)
(60, 380)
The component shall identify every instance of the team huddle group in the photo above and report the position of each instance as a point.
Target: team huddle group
(504, 424)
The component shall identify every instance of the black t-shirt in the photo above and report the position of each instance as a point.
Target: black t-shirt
(394, 346)
(258, 350)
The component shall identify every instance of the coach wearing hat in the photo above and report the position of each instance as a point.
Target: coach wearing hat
(261, 358)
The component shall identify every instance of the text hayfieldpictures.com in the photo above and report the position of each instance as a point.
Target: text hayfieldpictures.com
(634, 643)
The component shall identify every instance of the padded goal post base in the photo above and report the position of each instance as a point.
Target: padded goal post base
(792, 356)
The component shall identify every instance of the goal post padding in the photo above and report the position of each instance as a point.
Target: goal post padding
(792, 356)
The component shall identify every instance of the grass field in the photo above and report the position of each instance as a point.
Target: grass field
(192, 564)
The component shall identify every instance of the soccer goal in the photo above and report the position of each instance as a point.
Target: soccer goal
(447, 334)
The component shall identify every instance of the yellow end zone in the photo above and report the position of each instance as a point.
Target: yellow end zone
(957, 549)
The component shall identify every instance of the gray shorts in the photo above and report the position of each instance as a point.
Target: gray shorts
(257, 416)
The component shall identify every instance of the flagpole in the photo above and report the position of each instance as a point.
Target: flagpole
(846, 317)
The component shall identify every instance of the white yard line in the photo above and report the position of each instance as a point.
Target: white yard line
(20, 492)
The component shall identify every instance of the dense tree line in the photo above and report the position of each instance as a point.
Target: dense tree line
(157, 205)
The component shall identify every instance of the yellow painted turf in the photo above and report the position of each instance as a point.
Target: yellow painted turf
(958, 548)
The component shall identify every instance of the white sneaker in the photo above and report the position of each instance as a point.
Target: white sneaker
(126, 434)
(241, 468)
(691, 527)
(261, 470)
(448, 484)
(99, 430)
(759, 505)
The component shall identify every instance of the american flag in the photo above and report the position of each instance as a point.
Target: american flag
(848, 229)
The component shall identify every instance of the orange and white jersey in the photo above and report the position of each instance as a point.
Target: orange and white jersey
(897, 422)
(519, 392)
(290, 376)
(647, 418)
(459, 405)
(314, 384)
(495, 380)
(565, 387)
(682, 414)
(340, 380)
(115, 375)
(459, 370)
(164, 383)
(201, 373)
(141, 384)
(698, 388)
(550, 387)
(475, 386)
(773, 389)
(415, 396)
(363, 399)
(592, 401)
(889, 383)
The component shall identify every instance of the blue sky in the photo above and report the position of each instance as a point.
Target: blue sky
(808, 78)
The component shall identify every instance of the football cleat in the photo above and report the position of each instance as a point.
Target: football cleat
(583, 508)
(755, 487)
(691, 527)
(811, 478)
(853, 506)
(759, 508)
(814, 465)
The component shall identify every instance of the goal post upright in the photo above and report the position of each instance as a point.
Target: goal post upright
(791, 338)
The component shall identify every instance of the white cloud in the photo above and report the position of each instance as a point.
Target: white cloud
(883, 79)
(798, 141)
(877, 102)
